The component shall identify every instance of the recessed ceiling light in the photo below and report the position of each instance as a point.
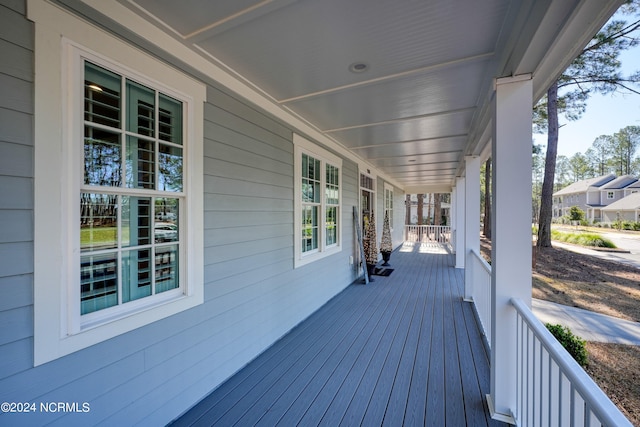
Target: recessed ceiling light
(358, 67)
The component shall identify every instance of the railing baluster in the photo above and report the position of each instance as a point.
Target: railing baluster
(587, 402)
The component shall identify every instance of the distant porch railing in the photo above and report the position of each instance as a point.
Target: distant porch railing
(552, 389)
(427, 234)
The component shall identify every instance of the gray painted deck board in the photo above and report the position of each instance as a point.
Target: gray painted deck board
(403, 350)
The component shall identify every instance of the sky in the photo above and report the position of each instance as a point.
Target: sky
(605, 115)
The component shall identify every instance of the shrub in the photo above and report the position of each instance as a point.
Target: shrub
(583, 239)
(576, 214)
(574, 345)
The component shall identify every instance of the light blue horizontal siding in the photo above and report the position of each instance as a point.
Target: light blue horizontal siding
(17, 324)
(17, 192)
(21, 65)
(13, 27)
(16, 94)
(16, 160)
(16, 225)
(16, 291)
(253, 293)
(16, 127)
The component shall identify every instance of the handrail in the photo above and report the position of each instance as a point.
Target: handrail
(596, 402)
(482, 261)
(480, 272)
(427, 233)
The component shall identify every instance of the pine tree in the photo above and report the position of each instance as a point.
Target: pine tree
(595, 70)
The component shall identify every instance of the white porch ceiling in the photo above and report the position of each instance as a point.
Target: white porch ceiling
(423, 102)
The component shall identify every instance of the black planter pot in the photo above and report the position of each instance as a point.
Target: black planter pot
(371, 268)
(385, 257)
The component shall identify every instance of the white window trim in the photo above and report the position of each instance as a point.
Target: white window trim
(389, 187)
(56, 183)
(302, 145)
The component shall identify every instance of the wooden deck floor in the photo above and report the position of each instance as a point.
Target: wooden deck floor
(403, 350)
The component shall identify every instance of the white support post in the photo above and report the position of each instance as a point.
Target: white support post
(452, 218)
(471, 217)
(511, 231)
(460, 225)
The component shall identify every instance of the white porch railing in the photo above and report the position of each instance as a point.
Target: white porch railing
(552, 389)
(427, 234)
(480, 272)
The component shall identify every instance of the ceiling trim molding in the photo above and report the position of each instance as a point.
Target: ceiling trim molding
(394, 76)
(161, 40)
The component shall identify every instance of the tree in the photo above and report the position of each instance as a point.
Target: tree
(486, 226)
(437, 209)
(595, 69)
(625, 145)
(562, 172)
(576, 214)
(420, 208)
(407, 204)
(579, 167)
(601, 154)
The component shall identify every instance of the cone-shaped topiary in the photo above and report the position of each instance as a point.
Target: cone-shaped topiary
(370, 244)
(386, 245)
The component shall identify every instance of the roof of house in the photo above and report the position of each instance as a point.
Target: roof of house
(630, 202)
(634, 185)
(620, 182)
(584, 185)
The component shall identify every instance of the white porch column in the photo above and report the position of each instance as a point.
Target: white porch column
(460, 230)
(452, 219)
(471, 217)
(511, 227)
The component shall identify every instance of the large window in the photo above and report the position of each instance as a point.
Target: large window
(388, 203)
(119, 190)
(131, 191)
(318, 201)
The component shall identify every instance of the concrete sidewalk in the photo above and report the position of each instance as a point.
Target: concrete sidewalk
(630, 258)
(588, 325)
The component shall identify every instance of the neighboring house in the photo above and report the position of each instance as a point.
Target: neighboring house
(625, 209)
(615, 190)
(242, 129)
(594, 196)
(585, 194)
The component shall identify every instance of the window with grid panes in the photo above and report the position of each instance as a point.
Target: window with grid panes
(388, 203)
(317, 212)
(131, 193)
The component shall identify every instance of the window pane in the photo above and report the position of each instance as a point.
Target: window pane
(140, 163)
(101, 96)
(140, 109)
(310, 179)
(332, 188)
(166, 268)
(166, 226)
(98, 221)
(136, 221)
(102, 157)
(331, 230)
(136, 274)
(309, 228)
(170, 120)
(98, 282)
(170, 168)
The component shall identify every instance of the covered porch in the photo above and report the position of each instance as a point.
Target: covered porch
(402, 350)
